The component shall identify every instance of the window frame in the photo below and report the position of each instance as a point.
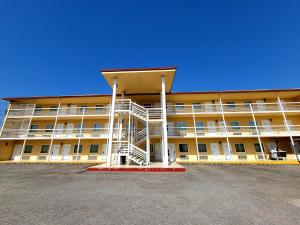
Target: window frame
(25, 149)
(41, 150)
(79, 150)
(49, 130)
(93, 145)
(202, 144)
(179, 106)
(237, 145)
(181, 145)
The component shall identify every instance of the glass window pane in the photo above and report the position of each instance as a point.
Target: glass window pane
(239, 147)
(76, 148)
(28, 149)
(183, 148)
(202, 148)
(44, 148)
(94, 148)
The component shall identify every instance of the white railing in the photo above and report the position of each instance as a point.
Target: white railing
(232, 108)
(136, 151)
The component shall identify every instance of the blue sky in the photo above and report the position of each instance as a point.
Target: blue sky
(58, 47)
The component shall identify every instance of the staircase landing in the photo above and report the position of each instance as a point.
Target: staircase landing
(153, 167)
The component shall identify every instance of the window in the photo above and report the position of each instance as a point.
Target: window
(97, 126)
(44, 149)
(49, 128)
(94, 148)
(179, 106)
(257, 147)
(53, 109)
(38, 109)
(99, 108)
(181, 125)
(247, 104)
(196, 106)
(28, 149)
(251, 124)
(147, 105)
(78, 126)
(83, 108)
(183, 148)
(33, 128)
(202, 148)
(239, 148)
(230, 105)
(76, 147)
(199, 125)
(235, 125)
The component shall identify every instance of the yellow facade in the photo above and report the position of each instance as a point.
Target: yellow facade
(211, 109)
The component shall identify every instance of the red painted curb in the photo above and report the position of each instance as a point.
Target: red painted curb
(135, 169)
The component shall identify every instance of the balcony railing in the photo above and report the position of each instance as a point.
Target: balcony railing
(62, 111)
(232, 108)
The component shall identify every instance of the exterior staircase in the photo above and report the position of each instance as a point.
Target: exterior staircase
(130, 145)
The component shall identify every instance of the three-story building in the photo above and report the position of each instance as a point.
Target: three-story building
(143, 121)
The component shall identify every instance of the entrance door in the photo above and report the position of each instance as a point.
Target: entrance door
(66, 152)
(17, 152)
(170, 128)
(211, 127)
(266, 125)
(104, 152)
(215, 151)
(208, 106)
(222, 127)
(272, 145)
(54, 152)
(172, 152)
(59, 129)
(69, 129)
(297, 149)
(158, 153)
(261, 105)
(227, 151)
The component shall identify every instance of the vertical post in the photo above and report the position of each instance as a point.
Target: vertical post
(53, 132)
(225, 127)
(111, 124)
(257, 133)
(147, 138)
(80, 133)
(288, 128)
(27, 131)
(165, 132)
(195, 132)
(4, 120)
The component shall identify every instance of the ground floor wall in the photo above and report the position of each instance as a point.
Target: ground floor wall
(185, 149)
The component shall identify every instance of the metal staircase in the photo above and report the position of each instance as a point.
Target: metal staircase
(134, 144)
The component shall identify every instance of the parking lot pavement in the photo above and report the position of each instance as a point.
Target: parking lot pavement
(205, 194)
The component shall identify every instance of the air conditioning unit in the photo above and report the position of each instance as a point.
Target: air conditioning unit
(42, 157)
(25, 157)
(242, 157)
(259, 157)
(92, 157)
(184, 157)
(203, 157)
(74, 157)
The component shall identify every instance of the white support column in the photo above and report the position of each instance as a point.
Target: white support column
(53, 132)
(164, 123)
(225, 127)
(287, 127)
(27, 131)
(195, 132)
(111, 124)
(257, 133)
(148, 139)
(4, 120)
(80, 133)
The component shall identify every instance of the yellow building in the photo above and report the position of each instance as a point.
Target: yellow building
(143, 122)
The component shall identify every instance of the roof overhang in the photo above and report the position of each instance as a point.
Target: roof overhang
(140, 80)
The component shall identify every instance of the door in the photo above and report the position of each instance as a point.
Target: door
(266, 124)
(222, 127)
(69, 129)
(170, 128)
(104, 152)
(208, 106)
(215, 151)
(66, 152)
(54, 152)
(59, 129)
(272, 145)
(260, 105)
(17, 152)
(297, 149)
(211, 127)
(227, 151)
(158, 153)
(172, 152)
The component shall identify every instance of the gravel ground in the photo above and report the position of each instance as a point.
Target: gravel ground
(205, 194)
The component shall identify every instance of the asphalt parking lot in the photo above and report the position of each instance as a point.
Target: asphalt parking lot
(205, 194)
